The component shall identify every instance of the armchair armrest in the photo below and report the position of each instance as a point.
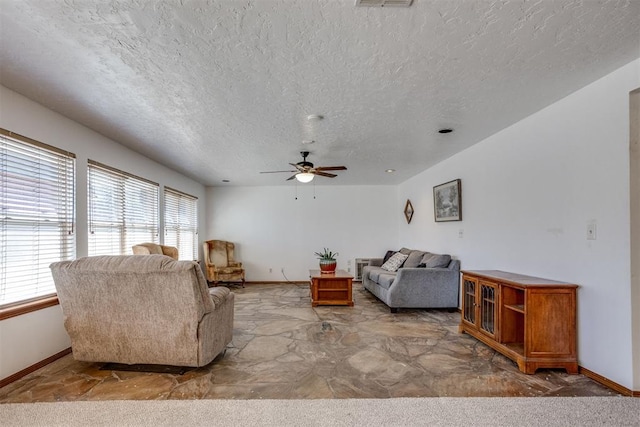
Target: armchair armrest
(235, 264)
(170, 251)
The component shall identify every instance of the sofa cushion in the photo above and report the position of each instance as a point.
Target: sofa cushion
(435, 261)
(385, 280)
(405, 251)
(395, 262)
(388, 255)
(374, 274)
(415, 258)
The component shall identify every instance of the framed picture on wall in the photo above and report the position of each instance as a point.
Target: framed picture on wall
(447, 201)
(408, 211)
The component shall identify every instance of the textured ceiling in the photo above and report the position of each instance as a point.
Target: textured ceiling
(222, 89)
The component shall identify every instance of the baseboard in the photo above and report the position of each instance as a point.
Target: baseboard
(34, 367)
(608, 383)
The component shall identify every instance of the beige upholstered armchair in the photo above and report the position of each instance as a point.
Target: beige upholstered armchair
(220, 264)
(142, 310)
(154, 248)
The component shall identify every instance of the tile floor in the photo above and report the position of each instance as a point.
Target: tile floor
(285, 349)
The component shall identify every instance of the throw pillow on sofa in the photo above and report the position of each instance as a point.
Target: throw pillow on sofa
(388, 255)
(435, 261)
(395, 262)
(414, 259)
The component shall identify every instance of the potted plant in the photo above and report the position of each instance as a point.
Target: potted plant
(327, 260)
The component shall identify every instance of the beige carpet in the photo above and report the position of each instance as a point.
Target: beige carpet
(552, 411)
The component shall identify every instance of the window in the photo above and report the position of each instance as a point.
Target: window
(123, 210)
(36, 216)
(181, 223)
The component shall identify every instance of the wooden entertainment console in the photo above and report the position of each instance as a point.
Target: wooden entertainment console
(529, 320)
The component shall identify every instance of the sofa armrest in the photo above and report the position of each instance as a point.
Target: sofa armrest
(215, 330)
(218, 295)
(435, 287)
(375, 262)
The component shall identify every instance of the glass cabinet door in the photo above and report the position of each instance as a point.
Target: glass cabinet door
(488, 295)
(469, 287)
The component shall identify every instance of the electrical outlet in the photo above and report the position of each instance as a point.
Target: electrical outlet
(460, 233)
(271, 270)
(282, 270)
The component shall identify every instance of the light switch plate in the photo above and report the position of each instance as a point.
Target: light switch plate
(591, 231)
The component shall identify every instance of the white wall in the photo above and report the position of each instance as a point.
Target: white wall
(32, 337)
(528, 193)
(272, 229)
(634, 163)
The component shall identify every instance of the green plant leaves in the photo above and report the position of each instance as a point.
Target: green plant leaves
(326, 254)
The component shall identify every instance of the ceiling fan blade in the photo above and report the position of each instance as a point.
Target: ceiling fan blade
(300, 168)
(306, 167)
(331, 168)
(328, 175)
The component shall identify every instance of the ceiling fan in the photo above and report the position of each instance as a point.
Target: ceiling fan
(305, 171)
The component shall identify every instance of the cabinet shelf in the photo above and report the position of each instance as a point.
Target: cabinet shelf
(498, 307)
(517, 308)
(516, 347)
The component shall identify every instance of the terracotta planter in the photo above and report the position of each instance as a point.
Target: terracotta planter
(328, 266)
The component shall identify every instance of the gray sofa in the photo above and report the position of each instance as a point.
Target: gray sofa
(142, 310)
(416, 284)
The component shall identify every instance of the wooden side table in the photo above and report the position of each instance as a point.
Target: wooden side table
(330, 288)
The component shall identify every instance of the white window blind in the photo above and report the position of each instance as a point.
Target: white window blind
(181, 223)
(36, 216)
(123, 210)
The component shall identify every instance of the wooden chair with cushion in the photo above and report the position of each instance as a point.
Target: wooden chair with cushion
(155, 249)
(219, 262)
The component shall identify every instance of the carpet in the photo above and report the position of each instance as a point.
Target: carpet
(481, 411)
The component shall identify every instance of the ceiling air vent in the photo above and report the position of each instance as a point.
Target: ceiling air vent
(383, 3)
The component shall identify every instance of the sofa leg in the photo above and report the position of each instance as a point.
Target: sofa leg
(393, 309)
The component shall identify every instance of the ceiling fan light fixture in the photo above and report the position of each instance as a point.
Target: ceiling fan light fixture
(304, 177)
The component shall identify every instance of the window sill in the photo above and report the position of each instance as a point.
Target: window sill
(19, 309)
